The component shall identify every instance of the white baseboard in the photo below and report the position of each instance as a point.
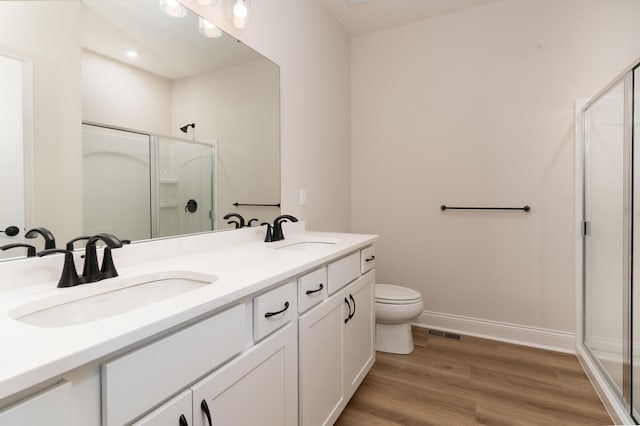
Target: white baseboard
(560, 341)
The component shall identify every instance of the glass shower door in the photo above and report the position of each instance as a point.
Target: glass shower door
(605, 245)
(116, 183)
(185, 190)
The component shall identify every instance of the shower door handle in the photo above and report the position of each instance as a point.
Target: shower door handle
(586, 228)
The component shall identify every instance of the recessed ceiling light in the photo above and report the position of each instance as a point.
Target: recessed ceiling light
(132, 53)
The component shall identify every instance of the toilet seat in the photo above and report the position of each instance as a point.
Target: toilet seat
(396, 295)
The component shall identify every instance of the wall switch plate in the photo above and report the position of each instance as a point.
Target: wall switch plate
(303, 197)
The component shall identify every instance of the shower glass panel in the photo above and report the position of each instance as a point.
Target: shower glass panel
(185, 176)
(604, 246)
(116, 166)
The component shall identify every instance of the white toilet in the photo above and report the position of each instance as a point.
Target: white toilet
(395, 308)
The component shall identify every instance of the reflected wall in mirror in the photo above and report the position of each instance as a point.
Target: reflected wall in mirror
(75, 68)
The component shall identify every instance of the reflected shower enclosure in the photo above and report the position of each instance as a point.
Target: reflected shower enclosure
(609, 339)
(164, 186)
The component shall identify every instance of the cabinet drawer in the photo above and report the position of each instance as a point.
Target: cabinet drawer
(343, 271)
(273, 310)
(367, 259)
(170, 412)
(312, 289)
(139, 380)
(50, 407)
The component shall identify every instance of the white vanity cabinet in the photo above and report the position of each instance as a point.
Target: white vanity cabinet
(336, 346)
(50, 407)
(262, 377)
(290, 350)
(258, 388)
(176, 412)
(139, 380)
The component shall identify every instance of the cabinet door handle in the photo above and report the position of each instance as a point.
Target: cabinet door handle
(183, 420)
(308, 292)
(205, 409)
(369, 259)
(349, 307)
(270, 314)
(354, 306)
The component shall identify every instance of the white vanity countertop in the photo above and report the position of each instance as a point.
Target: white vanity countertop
(243, 266)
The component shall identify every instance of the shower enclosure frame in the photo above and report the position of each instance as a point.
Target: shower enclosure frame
(619, 403)
(154, 178)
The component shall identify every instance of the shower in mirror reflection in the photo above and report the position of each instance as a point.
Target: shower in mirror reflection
(185, 129)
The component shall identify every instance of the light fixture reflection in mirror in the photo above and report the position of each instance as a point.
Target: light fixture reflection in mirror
(207, 29)
(173, 8)
(180, 77)
(240, 13)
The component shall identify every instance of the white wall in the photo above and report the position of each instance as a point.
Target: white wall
(118, 94)
(476, 108)
(45, 34)
(237, 106)
(313, 53)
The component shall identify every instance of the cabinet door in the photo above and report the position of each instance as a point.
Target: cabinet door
(176, 412)
(320, 344)
(258, 388)
(51, 407)
(359, 332)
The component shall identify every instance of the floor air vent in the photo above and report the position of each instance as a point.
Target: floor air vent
(446, 335)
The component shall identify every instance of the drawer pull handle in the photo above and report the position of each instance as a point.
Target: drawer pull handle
(270, 314)
(354, 306)
(205, 409)
(308, 292)
(349, 307)
(183, 420)
(369, 259)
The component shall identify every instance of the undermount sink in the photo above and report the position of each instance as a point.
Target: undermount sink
(306, 245)
(92, 302)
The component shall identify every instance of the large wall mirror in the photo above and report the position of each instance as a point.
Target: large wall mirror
(132, 119)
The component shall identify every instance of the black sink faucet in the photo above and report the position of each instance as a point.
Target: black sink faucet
(49, 240)
(239, 223)
(91, 273)
(276, 231)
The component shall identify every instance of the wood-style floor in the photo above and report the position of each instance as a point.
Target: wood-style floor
(474, 381)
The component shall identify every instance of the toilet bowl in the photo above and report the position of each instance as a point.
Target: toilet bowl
(395, 308)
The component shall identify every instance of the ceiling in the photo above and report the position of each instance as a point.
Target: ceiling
(170, 47)
(364, 16)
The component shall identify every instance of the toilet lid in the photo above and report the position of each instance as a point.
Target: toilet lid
(390, 293)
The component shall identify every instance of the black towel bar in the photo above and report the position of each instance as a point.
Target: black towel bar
(257, 205)
(524, 209)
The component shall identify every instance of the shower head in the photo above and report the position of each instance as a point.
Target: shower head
(186, 127)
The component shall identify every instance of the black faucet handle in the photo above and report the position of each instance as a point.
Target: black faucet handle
(49, 239)
(269, 236)
(251, 221)
(69, 276)
(72, 242)
(108, 269)
(31, 250)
